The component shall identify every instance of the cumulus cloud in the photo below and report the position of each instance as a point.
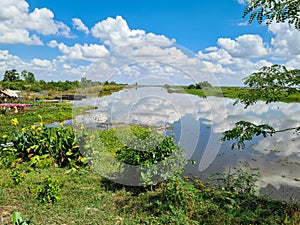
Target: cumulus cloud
(116, 32)
(79, 25)
(17, 23)
(245, 46)
(242, 2)
(286, 42)
(88, 52)
(41, 62)
(236, 58)
(42, 68)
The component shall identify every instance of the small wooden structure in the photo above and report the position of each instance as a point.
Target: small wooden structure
(6, 94)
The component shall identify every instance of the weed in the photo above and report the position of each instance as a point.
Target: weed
(16, 176)
(17, 219)
(49, 192)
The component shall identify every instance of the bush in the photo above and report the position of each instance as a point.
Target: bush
(150, 157)
(41, 146)
(49, 192)
(200, 85)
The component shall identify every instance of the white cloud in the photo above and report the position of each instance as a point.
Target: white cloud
(79, 25)
(116, 32)
(88, 52)
(242, 2)
(235, 59)
(245, 46)
(211, 49)
(17, 23)
(41, 62)
(42, 68)
(53, 44)
(243, 24)
(286, 42)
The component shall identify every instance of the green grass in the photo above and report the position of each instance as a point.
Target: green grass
(50, 112)
(88, 198)
(229, 92)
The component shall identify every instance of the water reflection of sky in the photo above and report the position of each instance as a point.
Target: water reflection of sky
(198, 125)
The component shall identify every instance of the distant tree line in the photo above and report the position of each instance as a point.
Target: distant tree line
(26, 81)
(200, 85)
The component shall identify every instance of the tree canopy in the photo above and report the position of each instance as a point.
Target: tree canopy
(11, 75)
(270, 83)
(278, 11)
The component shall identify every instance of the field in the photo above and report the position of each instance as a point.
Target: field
(228, 92)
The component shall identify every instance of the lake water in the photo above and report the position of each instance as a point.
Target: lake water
(197, 125)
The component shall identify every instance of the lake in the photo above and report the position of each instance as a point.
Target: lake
(197, 125)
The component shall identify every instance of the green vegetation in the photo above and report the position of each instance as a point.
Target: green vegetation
(40, 147)
(48, 191)
(50, 112)
(88, 198)
(30, 87)
(200, 85)
(271, 83)
(109, 88)
(232, 92)
(274, 11)
(17, 219)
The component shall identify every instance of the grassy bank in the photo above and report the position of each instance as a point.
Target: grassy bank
(50, 193)
(229, 92)
(88, 198)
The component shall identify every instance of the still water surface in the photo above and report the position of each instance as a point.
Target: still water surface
(198, 123)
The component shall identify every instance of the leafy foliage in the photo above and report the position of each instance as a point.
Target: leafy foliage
(16, 175)
(241, 180)
(200, 85)
(270, 84)
(42, 146)
(17, 219)
(274, 11)
(149, 157)
(11, 75)
(49, 192)
(244, 131)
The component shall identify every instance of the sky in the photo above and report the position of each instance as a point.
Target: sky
(177, 41)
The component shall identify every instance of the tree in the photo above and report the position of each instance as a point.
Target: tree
(28, 77)
(270, 83)
(278, 11)
(11, 75)
(200, 85)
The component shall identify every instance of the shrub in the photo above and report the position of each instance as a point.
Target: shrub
(49, 192)
(150, 157)
(42, 146)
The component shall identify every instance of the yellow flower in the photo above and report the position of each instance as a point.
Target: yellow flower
(4, 136)
(23, 130)
(14, 121)
(41, 124)
(32, 127)
(39, 128)
(61, 124)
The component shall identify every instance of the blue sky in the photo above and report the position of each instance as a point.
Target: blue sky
(63, 39)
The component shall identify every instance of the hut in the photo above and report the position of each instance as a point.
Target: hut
(7, 94)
